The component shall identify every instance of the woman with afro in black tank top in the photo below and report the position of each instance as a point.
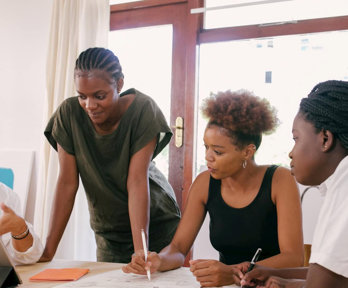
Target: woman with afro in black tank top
(251, 206)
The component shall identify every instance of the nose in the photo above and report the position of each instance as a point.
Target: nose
(290, 154)
(90, 104)
(208, 155)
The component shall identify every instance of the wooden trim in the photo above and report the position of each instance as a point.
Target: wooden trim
(193, 26)
(259, 31)
(160, 15)
(142, 4)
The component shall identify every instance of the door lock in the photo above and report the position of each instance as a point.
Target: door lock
(179, 131)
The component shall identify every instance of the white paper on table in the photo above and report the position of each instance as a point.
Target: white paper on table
(181, 277)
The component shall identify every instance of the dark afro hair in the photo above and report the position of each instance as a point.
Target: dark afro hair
(245, 116)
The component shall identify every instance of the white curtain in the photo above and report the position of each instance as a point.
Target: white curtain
(76, 25)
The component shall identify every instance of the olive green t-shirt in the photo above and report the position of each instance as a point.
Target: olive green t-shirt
(103, 163)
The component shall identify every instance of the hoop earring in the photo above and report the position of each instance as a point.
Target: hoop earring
(244, 164)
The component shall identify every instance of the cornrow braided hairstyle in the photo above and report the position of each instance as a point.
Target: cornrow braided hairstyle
(99, 59)
(327, 108)
(243, 115)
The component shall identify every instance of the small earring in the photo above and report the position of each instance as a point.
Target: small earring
(244, 164)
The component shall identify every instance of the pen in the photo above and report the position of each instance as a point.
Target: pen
(252, 263)
(256, 256)
(145, 252)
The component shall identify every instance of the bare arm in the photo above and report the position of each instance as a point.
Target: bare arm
(287, 200)
(317, 277)
(320, 277)
(139, 193)
(262, 274)
(63, 203)
(173, 255)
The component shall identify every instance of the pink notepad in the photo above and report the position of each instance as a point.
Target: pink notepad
(64, 274)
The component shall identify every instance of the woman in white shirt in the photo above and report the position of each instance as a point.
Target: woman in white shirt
(22, 244)
(319, 158)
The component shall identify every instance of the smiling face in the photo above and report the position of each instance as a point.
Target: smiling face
(97, 96)
(307, 157)
(223, 158)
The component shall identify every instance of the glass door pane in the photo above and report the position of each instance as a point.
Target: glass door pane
(145, 55)
(281, 69)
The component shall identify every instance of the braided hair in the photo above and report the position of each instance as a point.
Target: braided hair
(244, 116)
(327, 108)
(99, 59)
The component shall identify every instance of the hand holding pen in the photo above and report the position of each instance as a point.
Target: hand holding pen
(253, 261)
(145, 252)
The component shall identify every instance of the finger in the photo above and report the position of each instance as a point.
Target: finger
(236, 279)
(199, 264)
(206, 284)
(125, 269)
(204, 281)
(5, 208)
(138, 264)
(201, 273)
(238, 273)
(130, 268)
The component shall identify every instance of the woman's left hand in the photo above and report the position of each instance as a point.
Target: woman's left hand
(212, 273)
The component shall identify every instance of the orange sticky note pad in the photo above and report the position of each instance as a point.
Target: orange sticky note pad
(64, 274)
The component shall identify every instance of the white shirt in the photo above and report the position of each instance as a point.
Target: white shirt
(32, 255)
(330, 240)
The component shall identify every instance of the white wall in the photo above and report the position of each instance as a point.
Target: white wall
(24, 32)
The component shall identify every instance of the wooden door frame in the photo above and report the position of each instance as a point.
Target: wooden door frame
(185, 31)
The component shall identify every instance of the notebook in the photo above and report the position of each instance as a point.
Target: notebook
(62, 274)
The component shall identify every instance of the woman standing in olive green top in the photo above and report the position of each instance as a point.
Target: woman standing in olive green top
(108, 140)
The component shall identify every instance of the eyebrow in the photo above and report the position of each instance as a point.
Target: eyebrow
(92, 92)
(217, 146)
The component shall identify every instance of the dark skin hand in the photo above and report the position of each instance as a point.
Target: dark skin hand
(261, 274)
(213, 273)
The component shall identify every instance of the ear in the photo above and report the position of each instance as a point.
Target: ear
(249, 151)
(119, 85)
(327, 140)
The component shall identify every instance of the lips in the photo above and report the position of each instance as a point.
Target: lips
(94, 114)
(211, 170)
(292, 169)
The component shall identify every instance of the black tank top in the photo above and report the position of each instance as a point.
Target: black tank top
(237, 232)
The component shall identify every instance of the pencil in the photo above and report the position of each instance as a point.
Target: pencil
(145, 252)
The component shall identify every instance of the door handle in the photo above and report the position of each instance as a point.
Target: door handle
(179, 131)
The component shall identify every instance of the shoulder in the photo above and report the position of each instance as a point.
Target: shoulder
(68, 107)
(144, 100)
(70, 103)
(200, 186)
(282, 175)
(284, 184)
